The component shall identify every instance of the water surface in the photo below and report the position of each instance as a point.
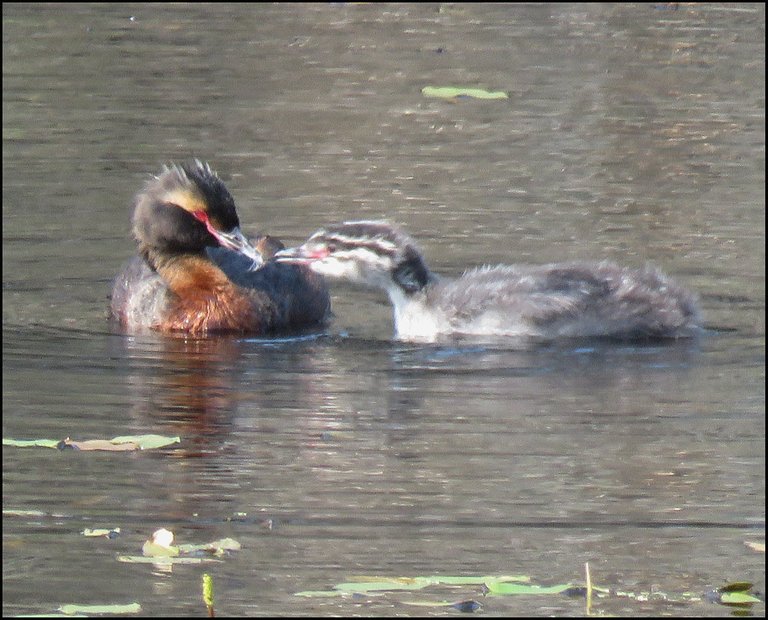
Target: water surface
(634, 133)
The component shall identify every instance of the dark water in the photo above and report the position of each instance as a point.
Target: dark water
(631, 132)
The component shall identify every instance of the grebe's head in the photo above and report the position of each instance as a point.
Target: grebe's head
(185, 209)
(373, 253)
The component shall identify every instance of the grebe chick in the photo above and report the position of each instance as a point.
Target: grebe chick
(195, 271)
(577, 299)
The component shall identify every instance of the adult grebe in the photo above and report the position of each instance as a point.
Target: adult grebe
(197, 273)
(577, 299)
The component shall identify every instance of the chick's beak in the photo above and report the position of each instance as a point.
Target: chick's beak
(299, 255)
(290, 255)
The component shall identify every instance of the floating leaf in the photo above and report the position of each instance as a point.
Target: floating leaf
(30, 443)
(736, 586)
(505, 587)
(449, 92)
(735, 593)
(118, 444)
(139, 559)
(367, 584)
(217, 547)
(70, 610)
(160, 544)
(147, 442)
(320, 593)
(113, 533)
(460, 580)
(11, 512)
(738, 598)
(96, 444)
(158, 551)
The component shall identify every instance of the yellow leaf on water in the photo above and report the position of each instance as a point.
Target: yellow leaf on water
(100, 444)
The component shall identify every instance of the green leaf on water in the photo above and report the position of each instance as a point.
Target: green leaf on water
(30, 443)
(449, 92)
(505, 587)
(126, 442)
(107, 533)
(452, 580)
(736, 586)
(217, 547)
(738, 598)
(367, 584)
(154, 550)
(736, 593)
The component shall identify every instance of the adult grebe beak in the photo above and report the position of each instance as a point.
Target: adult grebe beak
(232, 239)
(235, 240)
